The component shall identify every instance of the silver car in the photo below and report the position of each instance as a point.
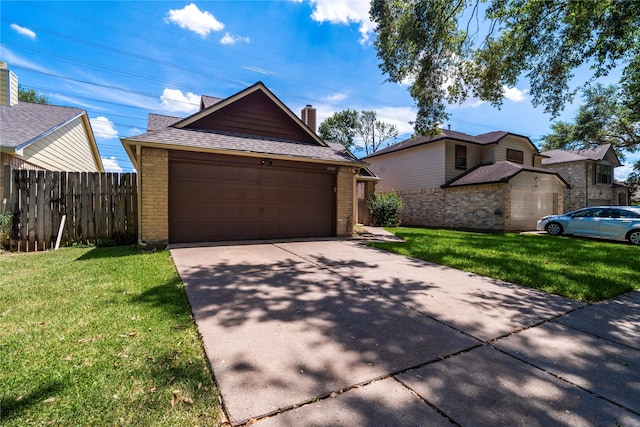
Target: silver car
(606, 222)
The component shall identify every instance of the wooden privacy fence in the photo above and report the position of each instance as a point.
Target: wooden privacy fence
(99, 208)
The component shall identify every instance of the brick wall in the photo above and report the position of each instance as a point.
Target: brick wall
(154, 196)
(486, 207)
(345, 201)
(422, 207)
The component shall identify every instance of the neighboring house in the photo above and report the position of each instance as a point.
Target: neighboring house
(491, 181)
(590, 173)
(42, 136)
(241, 168)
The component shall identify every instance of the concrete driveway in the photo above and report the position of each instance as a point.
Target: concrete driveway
(337, 333)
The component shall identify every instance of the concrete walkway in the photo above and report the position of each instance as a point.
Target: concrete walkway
(334, 332)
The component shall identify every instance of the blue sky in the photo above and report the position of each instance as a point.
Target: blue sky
(123, 60)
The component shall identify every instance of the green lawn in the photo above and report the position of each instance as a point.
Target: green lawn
(580, 269)
(100, 336)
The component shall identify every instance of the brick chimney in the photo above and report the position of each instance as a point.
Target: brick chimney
(9, 86)
(309, 117)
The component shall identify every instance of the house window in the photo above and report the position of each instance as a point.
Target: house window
(461, 157)
(515, 156)
(604, 174)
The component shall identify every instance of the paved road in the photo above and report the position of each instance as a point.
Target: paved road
(337, 333)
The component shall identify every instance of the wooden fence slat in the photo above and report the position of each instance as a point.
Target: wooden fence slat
(64, 185)
(38, 193)
(31, 212)
(122, 191)
(90, 207)
(97, 204)
(54, 208)
(22, 205)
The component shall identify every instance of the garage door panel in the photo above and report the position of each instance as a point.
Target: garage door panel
(213, 201)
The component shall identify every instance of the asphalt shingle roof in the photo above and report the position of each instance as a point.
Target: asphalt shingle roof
(561, 156)
(159, 121)
(25, 121)
(493, 173)
(218, 140)
(484, 139)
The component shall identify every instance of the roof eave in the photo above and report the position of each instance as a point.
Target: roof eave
(128, 144)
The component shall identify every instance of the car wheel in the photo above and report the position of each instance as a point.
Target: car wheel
(634, 237)
(554, 229)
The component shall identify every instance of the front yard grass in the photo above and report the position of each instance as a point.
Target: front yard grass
(100, 336)
(580, 269)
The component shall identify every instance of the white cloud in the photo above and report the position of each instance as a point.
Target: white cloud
(514, 94)
(175, 101)
(24, 31)
(344, 12)
(229, 39)
(399, 116)
(103, 128)
(193, 19)
(335, 97)
(135, 131)
(111, 165)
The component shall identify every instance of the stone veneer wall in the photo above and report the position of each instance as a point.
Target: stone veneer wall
(583, 192)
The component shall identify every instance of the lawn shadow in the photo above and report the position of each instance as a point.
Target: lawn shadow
(14, 406)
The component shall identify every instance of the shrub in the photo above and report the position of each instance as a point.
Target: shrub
(5, 227)
(385, 208)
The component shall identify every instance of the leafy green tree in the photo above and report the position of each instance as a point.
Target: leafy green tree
(633, 181)
(604, 118)
(373, 131)
(345, 126)
(438, 47)
(30, 95)
(340, 127)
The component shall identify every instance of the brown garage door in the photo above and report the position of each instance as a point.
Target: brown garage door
(217, 198)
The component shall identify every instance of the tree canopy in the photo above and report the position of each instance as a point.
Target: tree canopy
(340, 127)
(603, 118)
(344, 126)
(30, 95)
(439, 48)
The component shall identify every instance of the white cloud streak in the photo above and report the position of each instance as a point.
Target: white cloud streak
(193, 19)
(230, 39)
(23, 31)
